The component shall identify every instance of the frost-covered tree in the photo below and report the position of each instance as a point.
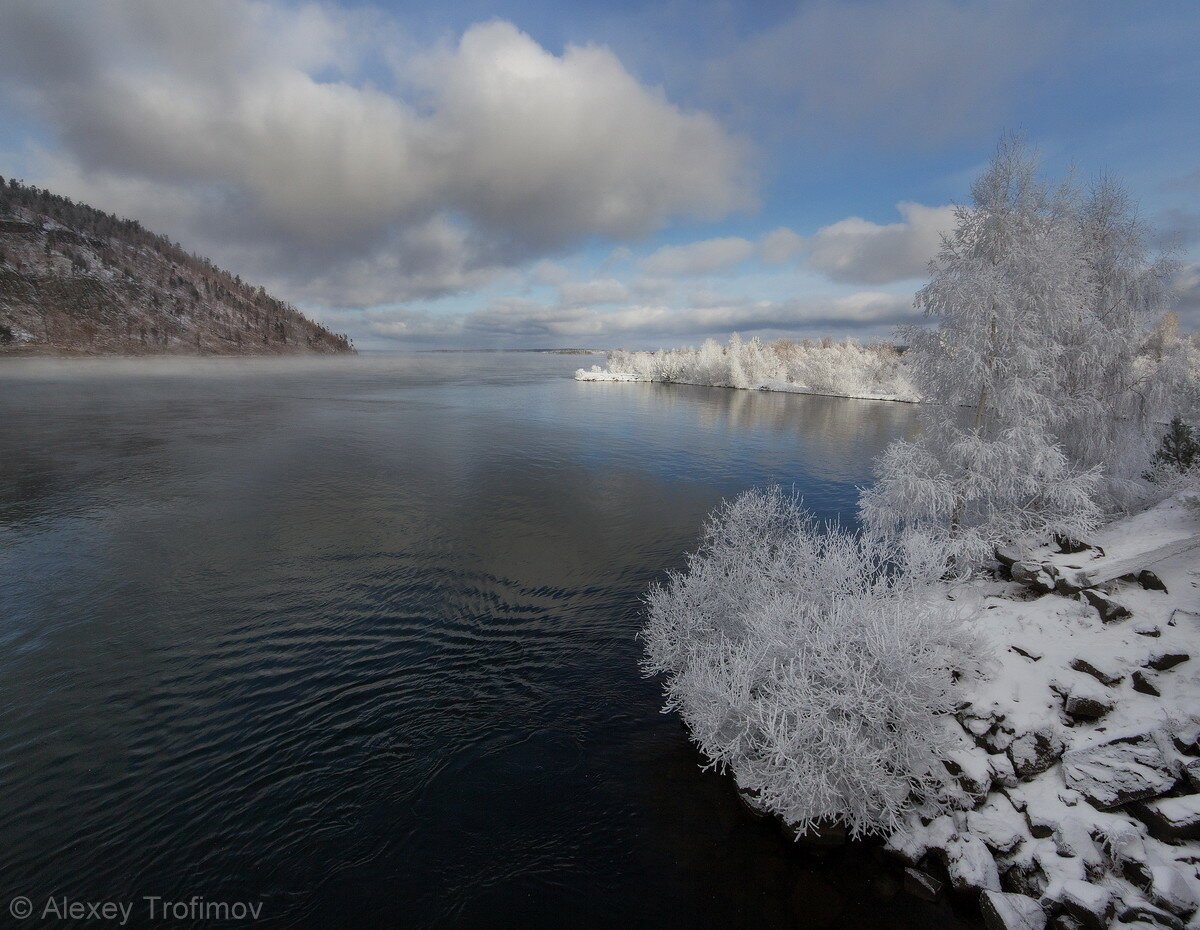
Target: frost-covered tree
(816, 666)
(1005, 289)
(1115, 378)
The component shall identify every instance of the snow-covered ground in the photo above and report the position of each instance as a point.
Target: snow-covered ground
(1078, 761)
(839, 369)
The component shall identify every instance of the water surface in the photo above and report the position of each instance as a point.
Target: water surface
(356, 638)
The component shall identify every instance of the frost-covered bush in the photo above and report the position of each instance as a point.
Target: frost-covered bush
(841, 368)
(815, 666)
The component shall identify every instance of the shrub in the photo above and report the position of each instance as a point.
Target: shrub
(812, 665)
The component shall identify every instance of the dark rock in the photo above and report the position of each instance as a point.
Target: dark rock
(1146, 914)
(1171, 819)
(1069, 546)
(1166, 660)
(1032, 753)
(1191, 771)
(1150, 581)
(1090, 904)
(920, 884)
(1086, 707)
(1007, 556)
(1146, 683)
(1110, 611)
(1033, 576)
(1118, 772)
(1011, 911)
(1106, 676)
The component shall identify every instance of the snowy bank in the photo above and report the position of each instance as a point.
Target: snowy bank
(836, 369)
(1078, 763)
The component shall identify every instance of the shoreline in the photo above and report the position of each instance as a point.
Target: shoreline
(774, 387)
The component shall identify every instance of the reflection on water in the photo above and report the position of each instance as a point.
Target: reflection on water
(357, 639)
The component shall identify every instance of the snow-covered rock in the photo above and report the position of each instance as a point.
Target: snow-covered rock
(1170, 890)
(1172, 818)
(1118, 772)
(1002, 911)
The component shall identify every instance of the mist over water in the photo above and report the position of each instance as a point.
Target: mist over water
(356, 638)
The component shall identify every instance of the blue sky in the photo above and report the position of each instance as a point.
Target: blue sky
(601, 174)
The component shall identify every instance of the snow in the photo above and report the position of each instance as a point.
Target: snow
(836, 369)
(1102, 819)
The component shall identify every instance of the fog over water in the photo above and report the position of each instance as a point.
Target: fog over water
(356, 638)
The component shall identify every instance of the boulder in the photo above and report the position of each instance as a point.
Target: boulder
(1034, 752)
(1069, 546)
(1191, 772)
(1119, 772)
(1072, 840)
(1128, 852)
(970, 865)
(1172, 819)
(1145, 682)
(1003, 911)
(1104, 671)
(1144, 914)
(1110, 610)
(1084, 698)
(1090, 904)
(1163, 661)
(1150, 581)
(998, 824)
(1033, 576)
(1171, 890)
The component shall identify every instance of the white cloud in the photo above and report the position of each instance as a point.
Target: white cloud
(253, 124)
(859, 251)
(709, 256)
(588, 293)
(780, 246)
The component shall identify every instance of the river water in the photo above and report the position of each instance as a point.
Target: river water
(355, 639)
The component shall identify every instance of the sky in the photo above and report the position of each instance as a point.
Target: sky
(626, 174)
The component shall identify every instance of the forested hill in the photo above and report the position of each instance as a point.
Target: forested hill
(74, 279)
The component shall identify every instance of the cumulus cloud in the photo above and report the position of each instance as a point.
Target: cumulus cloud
(709, 256)
(858, 251)
(780, 246)
(250, 129)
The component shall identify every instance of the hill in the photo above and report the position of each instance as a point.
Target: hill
(76, 280)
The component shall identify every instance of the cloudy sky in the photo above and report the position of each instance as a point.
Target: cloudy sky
(601, 174)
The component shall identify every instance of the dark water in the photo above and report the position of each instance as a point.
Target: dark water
(356, 640)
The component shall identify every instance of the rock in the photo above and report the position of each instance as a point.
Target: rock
(1073, 840)
(1118, 772)
(1150, 581)
(1002, 770)
(1069, 546)
(1031, 654)
(1110, 610)
(1007, 556)
(1011, 911)
(1128, 852)
(1171, 890)
(1146, 683)
(1084, 698)
(1166, 660)
(1143, 914)
(1172, 819)
(998, 824)
(970, 865)
(1090, 904)
(1034, 752)
(1147, 628)
(1041, 823)
(1191, 772)
(971, 768)
(1071, 581)
(920, 884)
(1107, 673)
(1033, 576)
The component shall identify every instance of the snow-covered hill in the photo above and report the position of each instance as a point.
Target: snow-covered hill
(76, 280)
